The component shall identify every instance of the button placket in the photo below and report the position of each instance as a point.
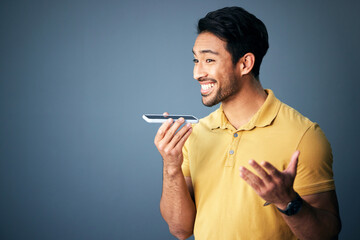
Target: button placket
(232, 150)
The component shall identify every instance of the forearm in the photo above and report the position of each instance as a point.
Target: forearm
(314, 223)
(176, 205)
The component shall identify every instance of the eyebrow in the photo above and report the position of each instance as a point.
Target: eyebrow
(206, 51)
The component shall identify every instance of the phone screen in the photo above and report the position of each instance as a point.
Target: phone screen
(175, 117)
(159, 118)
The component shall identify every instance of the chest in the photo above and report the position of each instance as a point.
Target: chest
(225, 149)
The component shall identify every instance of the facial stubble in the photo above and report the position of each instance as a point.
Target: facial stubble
(222, 94)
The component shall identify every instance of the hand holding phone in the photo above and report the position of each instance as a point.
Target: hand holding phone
(171, 138)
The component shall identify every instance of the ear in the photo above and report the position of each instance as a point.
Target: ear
(247, 63)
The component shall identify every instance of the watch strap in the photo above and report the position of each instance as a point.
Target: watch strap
(293, 207)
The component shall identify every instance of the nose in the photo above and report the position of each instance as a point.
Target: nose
(199, 71)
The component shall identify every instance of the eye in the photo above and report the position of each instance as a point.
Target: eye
(210, 60)
(195, 60)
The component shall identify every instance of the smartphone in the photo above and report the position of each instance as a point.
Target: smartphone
(159, 118)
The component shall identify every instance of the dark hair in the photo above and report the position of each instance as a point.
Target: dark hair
(242, 31)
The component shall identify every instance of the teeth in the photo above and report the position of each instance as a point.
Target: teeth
(207, 86)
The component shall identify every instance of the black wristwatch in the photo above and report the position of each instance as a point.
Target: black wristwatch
(293, 207)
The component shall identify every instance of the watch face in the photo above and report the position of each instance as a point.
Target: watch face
(293, 207)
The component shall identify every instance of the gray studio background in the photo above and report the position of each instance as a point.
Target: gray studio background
(77, 161)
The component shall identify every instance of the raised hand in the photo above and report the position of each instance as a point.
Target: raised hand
(272, 185)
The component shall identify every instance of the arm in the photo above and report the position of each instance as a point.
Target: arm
(318, 217)
(176, 204)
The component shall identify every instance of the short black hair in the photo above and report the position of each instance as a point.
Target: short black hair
(242, 31)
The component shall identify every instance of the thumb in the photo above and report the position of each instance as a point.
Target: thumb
(292, 167)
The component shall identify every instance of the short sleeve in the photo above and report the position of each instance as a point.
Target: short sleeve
(185, 165)
(314, 172)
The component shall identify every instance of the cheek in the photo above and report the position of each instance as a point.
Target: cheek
(217, 71)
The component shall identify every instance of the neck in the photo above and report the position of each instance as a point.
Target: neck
(240, 108)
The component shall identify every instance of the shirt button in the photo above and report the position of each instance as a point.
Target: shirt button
(235, 135)
(231, 152)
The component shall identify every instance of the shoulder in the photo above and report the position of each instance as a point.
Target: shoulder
(209, 122)
(203, 129)
(310, 139)
(293, 122)
(289, 116)
(297, 130)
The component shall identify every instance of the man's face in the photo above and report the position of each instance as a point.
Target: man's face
(214, 70)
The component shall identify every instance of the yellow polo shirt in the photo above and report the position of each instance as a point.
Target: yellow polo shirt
(227, 207)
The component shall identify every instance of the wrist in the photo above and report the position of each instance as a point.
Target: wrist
(293, 207)
(172, 171)
(286, 200)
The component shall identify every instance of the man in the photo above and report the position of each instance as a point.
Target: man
(253, 169)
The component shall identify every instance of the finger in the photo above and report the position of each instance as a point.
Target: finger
(262, 173)
(292, 167)
(179, 135)
(254, 181)
(162, 130)
(170, 133)
(271, 169)
(165, 114)
(182, 141)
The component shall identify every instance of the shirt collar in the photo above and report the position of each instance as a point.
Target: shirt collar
(262, 118)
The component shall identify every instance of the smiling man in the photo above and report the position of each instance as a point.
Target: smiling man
(253, 169)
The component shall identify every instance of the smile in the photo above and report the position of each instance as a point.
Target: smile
(206, 88)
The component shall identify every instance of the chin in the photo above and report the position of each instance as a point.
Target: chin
(209, 102)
